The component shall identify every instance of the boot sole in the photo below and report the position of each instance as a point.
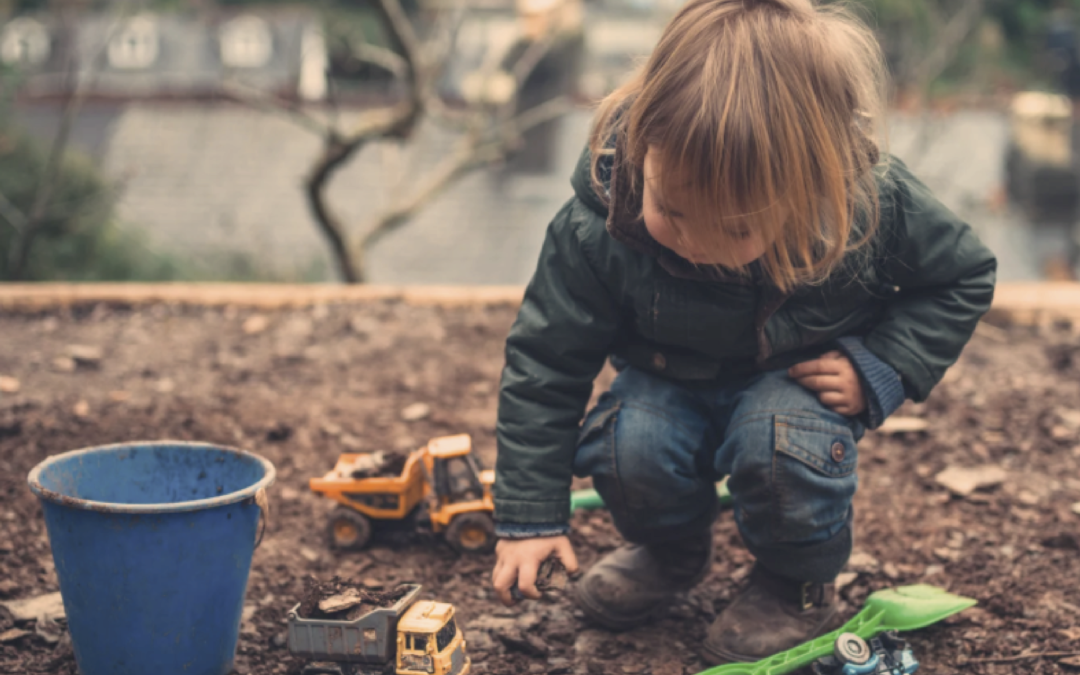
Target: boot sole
(596, 613)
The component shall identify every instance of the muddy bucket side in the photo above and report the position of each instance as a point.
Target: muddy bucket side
(152, 544)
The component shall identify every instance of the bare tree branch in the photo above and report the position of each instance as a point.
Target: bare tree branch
(12, 215)
(948, 42)
(384, 58)
(261, 100)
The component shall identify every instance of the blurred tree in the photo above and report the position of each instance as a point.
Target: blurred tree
(78, 238)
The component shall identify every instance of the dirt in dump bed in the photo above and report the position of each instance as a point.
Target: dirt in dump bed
(354, 597)
(382, 467)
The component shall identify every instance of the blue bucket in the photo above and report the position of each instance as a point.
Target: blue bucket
(153, 545)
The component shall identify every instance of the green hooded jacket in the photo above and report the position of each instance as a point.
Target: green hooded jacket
(604, 287)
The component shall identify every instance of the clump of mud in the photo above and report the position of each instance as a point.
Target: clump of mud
(378, 465)
(343, 600)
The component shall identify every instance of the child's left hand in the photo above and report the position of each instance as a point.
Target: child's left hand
(834, 380)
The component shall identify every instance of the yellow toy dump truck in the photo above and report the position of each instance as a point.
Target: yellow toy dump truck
(441, 482)
(410, 637)
(1040, 171)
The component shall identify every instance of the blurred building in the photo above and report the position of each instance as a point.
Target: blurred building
(172, 56)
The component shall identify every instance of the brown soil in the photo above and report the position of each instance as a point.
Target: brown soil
(322, 381)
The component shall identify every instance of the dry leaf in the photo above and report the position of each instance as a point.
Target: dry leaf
(901, 425)
(416, 412)
(256, 324)
(963, 481)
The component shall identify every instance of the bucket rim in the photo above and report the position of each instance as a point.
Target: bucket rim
(33, 479)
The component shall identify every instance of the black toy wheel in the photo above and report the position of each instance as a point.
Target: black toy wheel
(850, 648)
(349, 530)
(471, 533)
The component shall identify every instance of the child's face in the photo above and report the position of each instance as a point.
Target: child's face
(745, 246)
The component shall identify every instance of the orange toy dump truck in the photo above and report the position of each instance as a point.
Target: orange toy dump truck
(442, 477)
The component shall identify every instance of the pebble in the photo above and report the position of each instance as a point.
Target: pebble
(256, 324)
(9, 385)
(416, 412)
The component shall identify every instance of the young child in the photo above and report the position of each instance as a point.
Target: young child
(767, 285)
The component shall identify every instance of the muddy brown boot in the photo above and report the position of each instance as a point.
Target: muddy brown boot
(770, 615)
(626, 586)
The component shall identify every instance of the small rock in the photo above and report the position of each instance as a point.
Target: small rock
(81, 409)
(487, 622)
(85, 355)
(528, 621)
(933, 570)
(308, 554)
(341, 601)
(1075, 508)
(119, 396)
(524, 644)
(47, 629)
(64, 364)
(948, 554)
(964, 481)
(165, 386)
(373, 584)
(280, 640)
(416, 412)
(901, 425)
(288, 494)
(50, 605)
(890, 571)
(863, 562)
(256, 324)
(12, 635)
(1027, 498)
(846, 579)
(9, 385)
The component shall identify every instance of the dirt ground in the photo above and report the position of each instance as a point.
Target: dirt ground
(301, 386)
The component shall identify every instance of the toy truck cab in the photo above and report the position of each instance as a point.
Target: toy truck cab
(444, 477)
(429, 642)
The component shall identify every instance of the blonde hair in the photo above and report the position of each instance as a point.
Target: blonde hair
(765, 112)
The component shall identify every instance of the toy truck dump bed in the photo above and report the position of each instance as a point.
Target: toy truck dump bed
(368, 639)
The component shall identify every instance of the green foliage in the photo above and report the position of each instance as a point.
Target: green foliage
(78, 237)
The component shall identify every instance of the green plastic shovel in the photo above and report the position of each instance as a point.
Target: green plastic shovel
(900, 609)
(590, 499)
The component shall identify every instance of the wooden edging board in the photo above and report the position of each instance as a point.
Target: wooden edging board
(1026, 303)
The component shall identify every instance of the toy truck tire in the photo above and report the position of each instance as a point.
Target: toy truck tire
(349, 530)
(472, 533)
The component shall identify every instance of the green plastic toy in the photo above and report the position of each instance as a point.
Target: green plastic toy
(590, 499)
(900, 609)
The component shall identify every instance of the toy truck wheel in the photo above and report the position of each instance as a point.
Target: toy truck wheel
(850, 648)
(472, 533)
(349, 530)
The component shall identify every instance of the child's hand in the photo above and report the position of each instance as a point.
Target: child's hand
(519, 559)
(834, 380)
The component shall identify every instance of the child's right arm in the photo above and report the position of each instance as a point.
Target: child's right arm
(558, 344)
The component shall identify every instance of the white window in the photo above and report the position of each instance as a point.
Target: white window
(135, 45)
(24, 41)
(245, 42)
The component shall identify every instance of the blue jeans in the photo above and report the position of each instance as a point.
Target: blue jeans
(656, 447)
